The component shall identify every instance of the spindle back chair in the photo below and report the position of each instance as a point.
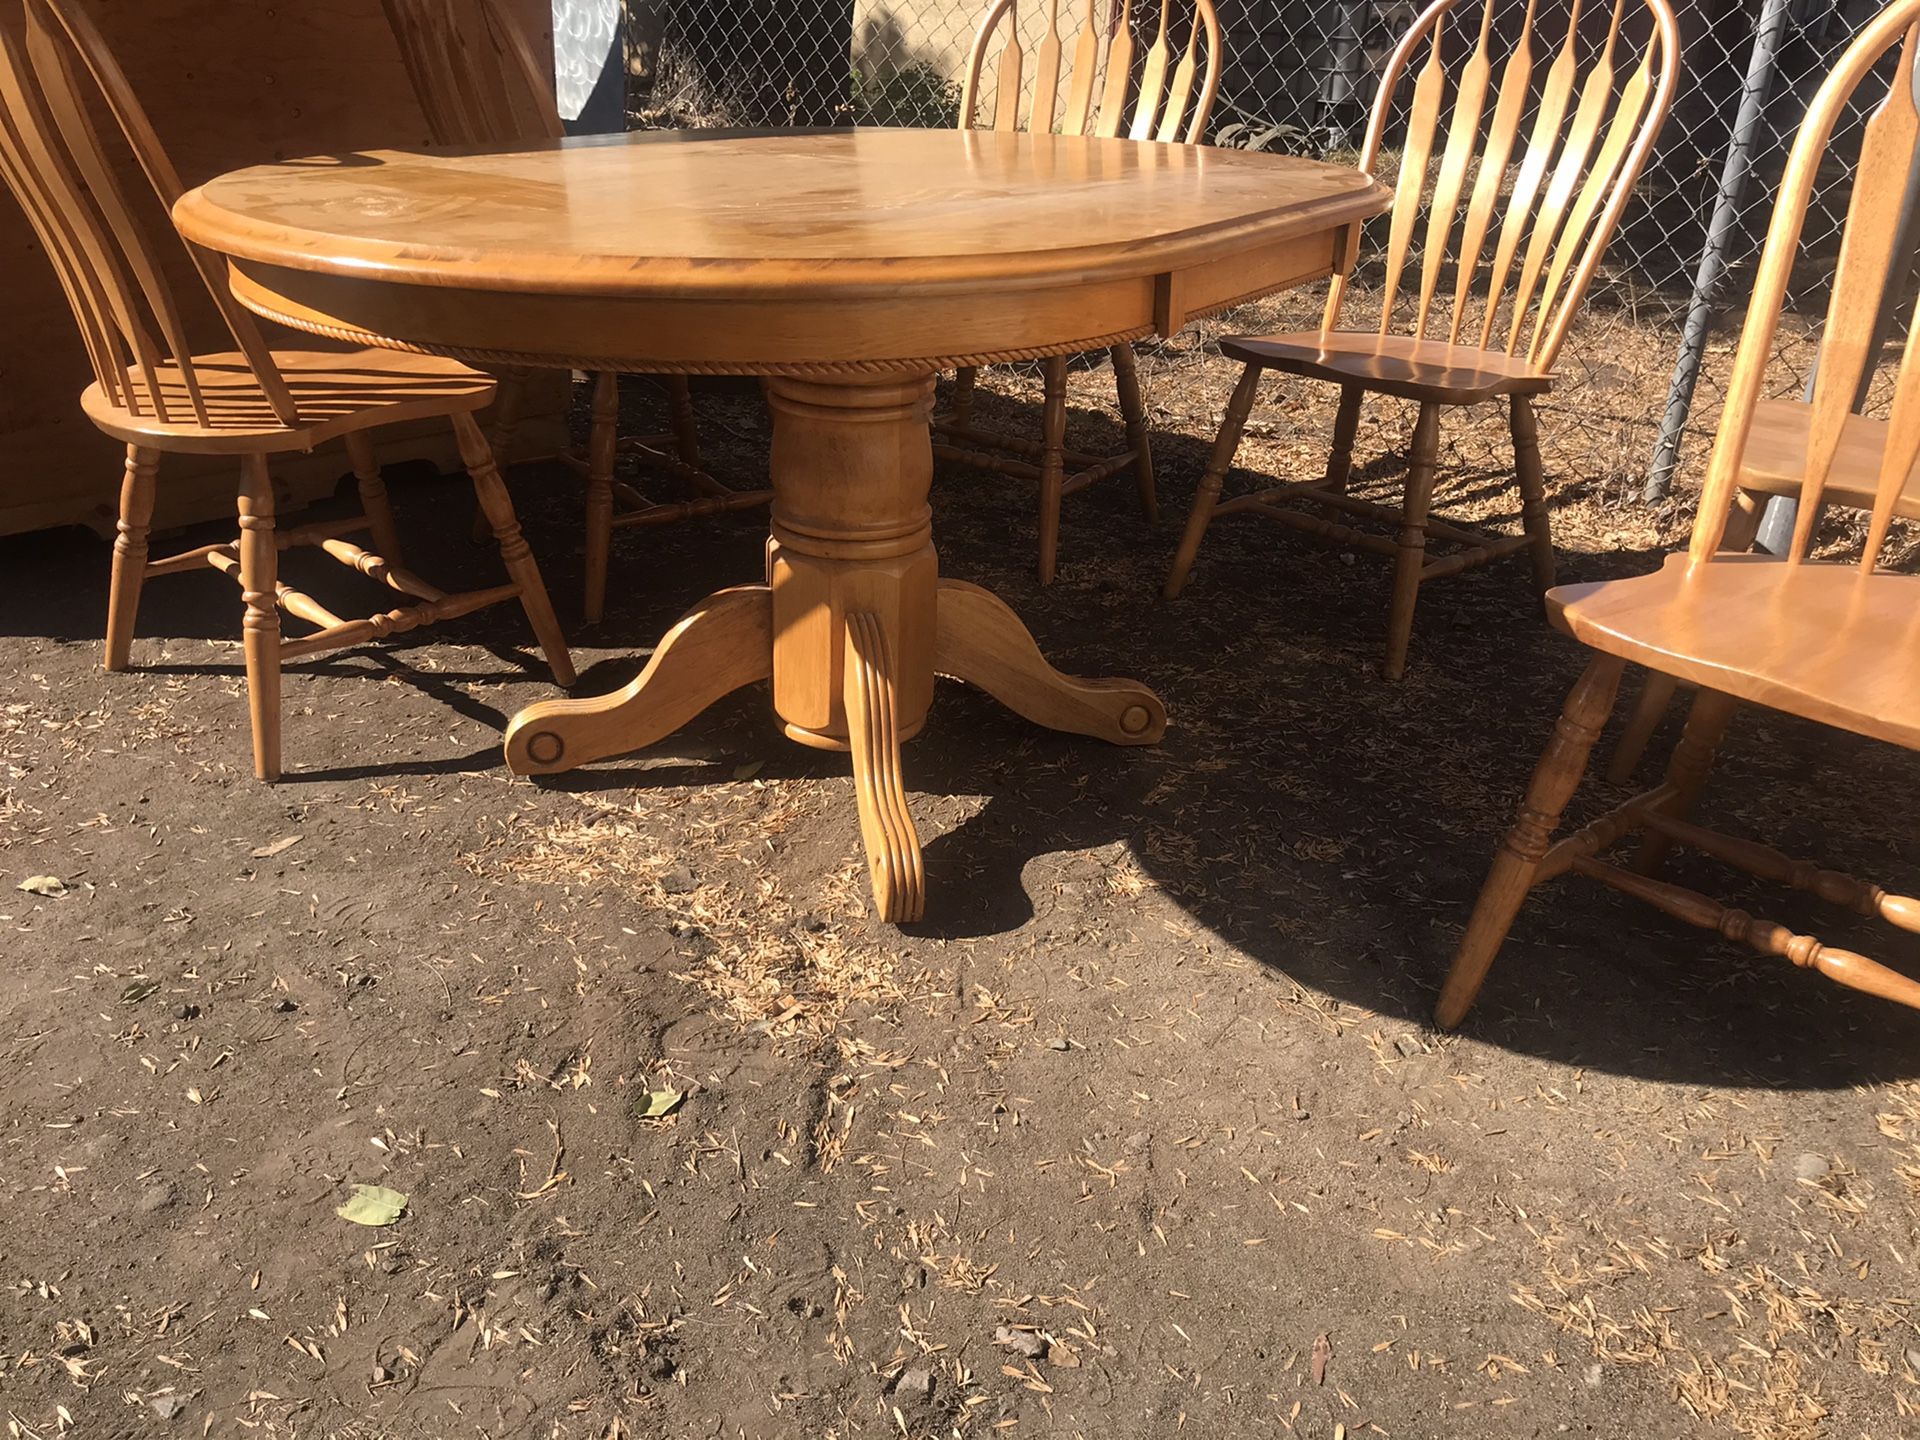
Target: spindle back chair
(474, 73)
(1589, 134)
(1774, 462)
(114, 276)
(1834, 642)
(1086, 91)
(1515, 170)
(154, 393)
(479, 83)
(1083, 83)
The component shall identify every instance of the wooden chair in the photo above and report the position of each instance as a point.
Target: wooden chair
(1089, 96)
(1831, 642)
(479, 84)
(1774, 463)
(155, 395)
(1558, 197)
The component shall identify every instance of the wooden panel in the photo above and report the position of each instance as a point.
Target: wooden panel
(1184, 295)
(321, 76)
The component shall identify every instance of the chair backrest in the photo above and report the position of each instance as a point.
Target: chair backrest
(1178, 80)
(1866, 266)
(113, 272)
(474, 72)
(1594, 115)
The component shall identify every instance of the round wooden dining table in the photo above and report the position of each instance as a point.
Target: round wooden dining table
(846, 267)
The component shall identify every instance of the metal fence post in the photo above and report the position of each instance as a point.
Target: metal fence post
(1720, 237)
(590, 66)
(1339, 98)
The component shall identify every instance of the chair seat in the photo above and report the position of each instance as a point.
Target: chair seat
(1824, 641)
(1393, 364)
(337, 391)
(1775, 460)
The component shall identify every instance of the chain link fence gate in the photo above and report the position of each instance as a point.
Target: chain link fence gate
(1633, 404)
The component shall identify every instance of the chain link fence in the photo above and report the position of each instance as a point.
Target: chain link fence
(1298, 77)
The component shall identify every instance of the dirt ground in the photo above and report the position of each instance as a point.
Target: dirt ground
(1142, 1133)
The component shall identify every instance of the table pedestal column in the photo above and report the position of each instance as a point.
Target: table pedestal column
(851, 627)
(854, 579)
(852, 535)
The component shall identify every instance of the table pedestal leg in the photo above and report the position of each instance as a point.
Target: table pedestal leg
(723, 643)
(854, 575)
(886, 827)
(851, 626)
(980, 640)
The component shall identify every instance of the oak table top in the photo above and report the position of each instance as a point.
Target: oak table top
(848, 267)
(717, 212)
(975, 227)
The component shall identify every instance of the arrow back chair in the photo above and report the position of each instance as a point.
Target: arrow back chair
(1775, 464)
(1837, 643)
(1081, 86)
(479, 84)
(156, 396)
(1514, 228)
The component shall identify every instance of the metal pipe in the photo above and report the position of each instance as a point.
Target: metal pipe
(1340, 85)
(590, 65)
(1754, 91)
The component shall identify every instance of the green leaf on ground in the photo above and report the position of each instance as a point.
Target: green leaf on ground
(138, 990)
(660, 1103)
(373, 1205)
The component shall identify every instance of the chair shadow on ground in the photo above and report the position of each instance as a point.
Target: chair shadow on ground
(1332, 826)
(1337, 827)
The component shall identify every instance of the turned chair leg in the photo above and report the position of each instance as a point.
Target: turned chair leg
(1533, 489)
(1687, 771)
(1225, 446)
(491, 491)
(686, 434)
(1053, 437)
(1126, 376)
(1346, 425)
(1421, 464)
(130, 553)
(603, 449)
(259, 587)
(1655, 695)
(1518, 859)
(373, 496)
(509, 398)
(964, 381)
(1743, 527)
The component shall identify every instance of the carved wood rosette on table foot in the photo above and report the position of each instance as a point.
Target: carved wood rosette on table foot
(852, 626)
